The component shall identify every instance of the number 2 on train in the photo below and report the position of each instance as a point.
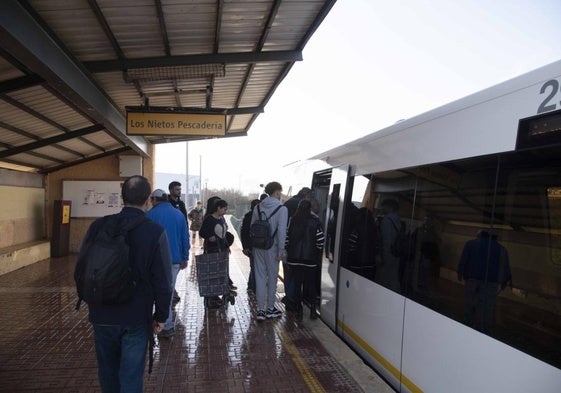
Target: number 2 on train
(547, 105)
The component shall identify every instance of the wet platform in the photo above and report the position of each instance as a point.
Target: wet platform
(47, 346)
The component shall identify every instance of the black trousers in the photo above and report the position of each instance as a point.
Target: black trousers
(305, 282)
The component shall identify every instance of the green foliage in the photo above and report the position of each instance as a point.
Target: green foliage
(238, 204)
(237, 223)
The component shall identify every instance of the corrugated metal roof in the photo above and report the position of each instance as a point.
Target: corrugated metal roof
(69, 69)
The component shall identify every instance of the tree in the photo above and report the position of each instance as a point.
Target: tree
(238, 204)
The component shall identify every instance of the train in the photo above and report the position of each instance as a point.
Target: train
(428, 314)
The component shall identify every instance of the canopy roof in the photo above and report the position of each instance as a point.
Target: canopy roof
(70, 68)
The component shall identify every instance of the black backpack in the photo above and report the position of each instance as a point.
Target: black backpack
(260, 230)
(103, 273)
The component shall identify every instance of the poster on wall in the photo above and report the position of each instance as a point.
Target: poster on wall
(93, 198)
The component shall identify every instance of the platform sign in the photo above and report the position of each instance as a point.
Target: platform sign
(157, 123)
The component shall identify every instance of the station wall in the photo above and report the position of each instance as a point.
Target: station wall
(106, 168)
(22, 211)
(26, 211)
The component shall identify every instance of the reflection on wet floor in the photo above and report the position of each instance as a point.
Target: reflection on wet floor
(47, 346)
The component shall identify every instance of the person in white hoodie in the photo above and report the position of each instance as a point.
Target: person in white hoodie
(267, 260)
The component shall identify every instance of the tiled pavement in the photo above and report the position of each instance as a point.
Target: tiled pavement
(47, 346)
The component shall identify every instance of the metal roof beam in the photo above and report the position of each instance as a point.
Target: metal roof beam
(31, 153)
(212, 111)
(35, 137)
(28, 41)
(48, 141)
(87, 159)
(23, 82)
(186, 60)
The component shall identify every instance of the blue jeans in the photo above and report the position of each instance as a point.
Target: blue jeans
(170, 323)
(121, 357)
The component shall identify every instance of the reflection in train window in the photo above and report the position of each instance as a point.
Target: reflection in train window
(332, 215)
(359, 237)
(554, 209)
(479, 242)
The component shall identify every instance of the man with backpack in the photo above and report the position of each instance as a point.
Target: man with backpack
(122, 317)
(268, 232)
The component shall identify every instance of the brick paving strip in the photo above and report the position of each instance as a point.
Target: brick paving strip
(47, 346)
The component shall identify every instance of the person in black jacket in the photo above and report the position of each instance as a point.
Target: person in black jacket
(214, 231)
(122, 331)
(246, 245)
(291, 205)
(304, 242)
(175, 198)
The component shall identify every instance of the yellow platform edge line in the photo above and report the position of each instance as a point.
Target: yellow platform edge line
(307, 375)
(384, 362)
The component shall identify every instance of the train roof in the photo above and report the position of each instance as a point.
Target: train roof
(483, 123)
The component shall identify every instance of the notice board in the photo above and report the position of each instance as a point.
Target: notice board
(93, 198)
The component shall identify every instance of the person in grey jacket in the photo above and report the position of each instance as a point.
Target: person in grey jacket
(267, 261)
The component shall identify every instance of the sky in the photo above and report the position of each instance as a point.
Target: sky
(372, 63)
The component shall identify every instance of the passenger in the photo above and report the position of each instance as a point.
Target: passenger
(424, 269)
(229, 237)
(213, 231)
(210, 205)
(390, 227)
(485, 267)
(361, 251)
(312, 296)
(121, 332)
(172, 220)
(332, 216)
(267, 261)
(304, 241)
(290, 299)
(175, 198)
(246, 245)
(196, 217)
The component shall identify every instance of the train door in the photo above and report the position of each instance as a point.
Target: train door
(329, 187)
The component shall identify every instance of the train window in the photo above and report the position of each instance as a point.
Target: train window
(358, 253)
(332, 216)
(554, 210)
(528, 207)
(485, 239)
(392, 196)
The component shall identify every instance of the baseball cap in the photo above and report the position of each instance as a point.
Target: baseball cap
(159, 194)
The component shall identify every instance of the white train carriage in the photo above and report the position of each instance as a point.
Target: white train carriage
(488, 164)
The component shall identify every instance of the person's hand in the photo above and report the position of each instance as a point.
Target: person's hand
(212, 239)
(157, 327)
(246, 252)
(183, 264)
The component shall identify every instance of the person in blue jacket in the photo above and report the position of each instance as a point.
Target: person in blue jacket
(173, 221)
(485, 267)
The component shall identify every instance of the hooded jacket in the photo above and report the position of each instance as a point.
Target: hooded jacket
(278, 221)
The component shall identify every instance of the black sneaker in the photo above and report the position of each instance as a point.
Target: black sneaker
(273, 313)
(261, 316)
(167, 333)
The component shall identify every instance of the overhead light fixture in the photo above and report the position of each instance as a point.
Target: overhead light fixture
(174, 72)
